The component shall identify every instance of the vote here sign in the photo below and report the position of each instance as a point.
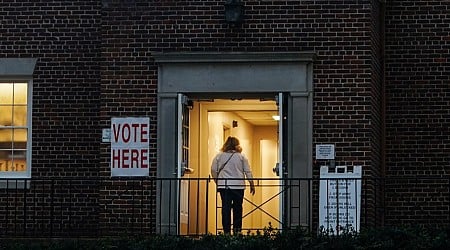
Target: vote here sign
(130, 146)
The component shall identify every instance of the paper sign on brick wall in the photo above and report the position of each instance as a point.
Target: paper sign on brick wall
(325, 152)
(130, 146)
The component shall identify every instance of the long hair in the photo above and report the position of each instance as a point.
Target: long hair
(230, 144)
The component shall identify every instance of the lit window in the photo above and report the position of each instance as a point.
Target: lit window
(15, 124)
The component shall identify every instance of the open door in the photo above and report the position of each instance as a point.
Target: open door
(204, 128)
(279, 169)
(252, 120)
(183, 162)
(272, 194)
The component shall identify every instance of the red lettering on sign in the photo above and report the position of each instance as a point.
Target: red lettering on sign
(144, 132)
(134, 158)
(144, 158)
(134, 132)
(127, 126)
(125, 157)
(116, 158)
(116, 132)
(135, 126)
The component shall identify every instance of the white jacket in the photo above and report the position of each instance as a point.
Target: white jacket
(233, 174)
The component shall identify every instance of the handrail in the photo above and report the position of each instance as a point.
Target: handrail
(106, 206)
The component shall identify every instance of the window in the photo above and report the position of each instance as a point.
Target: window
(15, 129)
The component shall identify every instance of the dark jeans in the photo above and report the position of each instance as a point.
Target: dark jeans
(232, 200)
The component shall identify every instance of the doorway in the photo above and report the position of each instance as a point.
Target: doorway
(211, 76)
(255, 122)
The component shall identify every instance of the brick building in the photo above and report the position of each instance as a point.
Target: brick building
(370, 77)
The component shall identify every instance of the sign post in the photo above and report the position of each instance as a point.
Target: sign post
(130, 146)
(340, 199)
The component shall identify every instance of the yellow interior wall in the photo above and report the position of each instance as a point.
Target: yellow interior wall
(259, 144)
(244, 132)
(265, 157)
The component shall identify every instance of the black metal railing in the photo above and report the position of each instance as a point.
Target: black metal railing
(97, 207)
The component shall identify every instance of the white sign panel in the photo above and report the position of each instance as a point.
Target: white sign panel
(340, 200)
(325, 152)
(130, 146)
(106, 135)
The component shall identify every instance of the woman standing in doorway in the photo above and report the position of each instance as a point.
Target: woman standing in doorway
(229, 169)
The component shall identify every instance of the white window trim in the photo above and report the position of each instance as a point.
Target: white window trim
(20, 70)
(27, 173)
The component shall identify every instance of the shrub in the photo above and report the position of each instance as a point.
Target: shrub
(373, 238)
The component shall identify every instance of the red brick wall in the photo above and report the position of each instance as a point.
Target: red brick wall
(65, 37)
(341, 37)
(345, 36)
(95, 62)
(417, 82)
(341, 34)
(418, 113)
(80, 45)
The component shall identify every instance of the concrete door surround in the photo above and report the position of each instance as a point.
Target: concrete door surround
(229, 75)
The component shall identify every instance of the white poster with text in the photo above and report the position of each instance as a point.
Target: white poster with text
(340, 199)
(130, 146)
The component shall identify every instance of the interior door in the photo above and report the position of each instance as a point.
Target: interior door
(183, 162)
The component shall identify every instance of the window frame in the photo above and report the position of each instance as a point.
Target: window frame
(10, 176)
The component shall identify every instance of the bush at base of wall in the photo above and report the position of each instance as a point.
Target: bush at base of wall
(375, 238)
